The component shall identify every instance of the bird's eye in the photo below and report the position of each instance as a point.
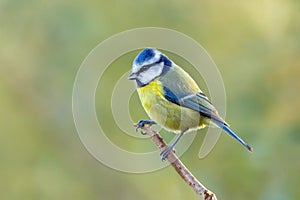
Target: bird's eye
(144, 67)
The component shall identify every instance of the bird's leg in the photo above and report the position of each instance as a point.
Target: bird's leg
(142, 123)
(165, 152)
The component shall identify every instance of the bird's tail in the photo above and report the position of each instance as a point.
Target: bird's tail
(233, 134)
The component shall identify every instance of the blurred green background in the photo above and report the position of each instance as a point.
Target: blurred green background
(256, 46)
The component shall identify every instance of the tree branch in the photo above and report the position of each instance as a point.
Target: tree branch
(185, 174)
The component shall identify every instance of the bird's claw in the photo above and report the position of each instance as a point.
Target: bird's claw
(165, 152)
(142, 123)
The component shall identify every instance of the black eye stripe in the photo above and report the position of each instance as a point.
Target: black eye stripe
(146, 67)
(163, 59)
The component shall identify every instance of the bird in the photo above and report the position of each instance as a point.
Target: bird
(172, 99)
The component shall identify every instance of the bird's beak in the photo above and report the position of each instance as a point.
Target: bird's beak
(132, 76)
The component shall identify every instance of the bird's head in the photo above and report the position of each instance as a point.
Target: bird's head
(148, 65)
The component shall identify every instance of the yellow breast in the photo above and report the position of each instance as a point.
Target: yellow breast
(167, 114)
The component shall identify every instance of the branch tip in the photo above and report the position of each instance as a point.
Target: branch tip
(183, 172)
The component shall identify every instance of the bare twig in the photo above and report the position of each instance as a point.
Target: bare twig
(185, 174)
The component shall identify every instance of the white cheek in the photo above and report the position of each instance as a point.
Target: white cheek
(153, 72)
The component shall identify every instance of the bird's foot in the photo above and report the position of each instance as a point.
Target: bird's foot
(142, 123)
(166, 151)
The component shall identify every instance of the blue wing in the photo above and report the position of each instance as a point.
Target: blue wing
(198, 102)
(179, 88)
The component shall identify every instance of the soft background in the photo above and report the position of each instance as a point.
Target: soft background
(256, 46)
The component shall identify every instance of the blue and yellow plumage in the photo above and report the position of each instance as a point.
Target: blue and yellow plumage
(172, 98)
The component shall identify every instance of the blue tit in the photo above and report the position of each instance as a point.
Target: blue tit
(172, 99)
